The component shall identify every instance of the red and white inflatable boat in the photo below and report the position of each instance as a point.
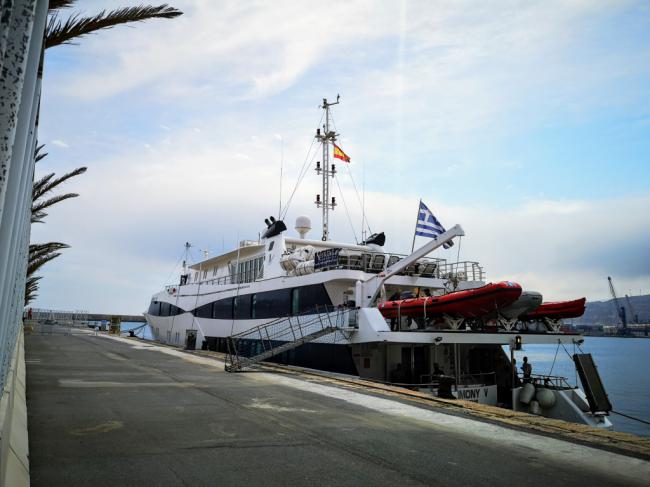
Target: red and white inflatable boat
(471, 303)
(557, 310)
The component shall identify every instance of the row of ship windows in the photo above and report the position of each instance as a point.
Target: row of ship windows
(246, 271)
(268, 304)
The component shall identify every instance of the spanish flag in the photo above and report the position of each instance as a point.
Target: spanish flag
(339, 154)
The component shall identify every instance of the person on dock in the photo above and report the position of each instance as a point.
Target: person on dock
(437, 370)
(527, 370)
(516, 382)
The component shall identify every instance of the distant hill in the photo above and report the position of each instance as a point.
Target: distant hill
(604, 312)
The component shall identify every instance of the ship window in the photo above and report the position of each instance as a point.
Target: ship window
(259, 263)
(205, 274)
(222, 309)
(204, 311)
(271, 245)
(295, 301)
(243, 307)
(313, 297)
(253, 305)
(273, 304)
(164, 309)
(154, 308)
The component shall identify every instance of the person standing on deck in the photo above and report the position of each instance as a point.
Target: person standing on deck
(527, 370)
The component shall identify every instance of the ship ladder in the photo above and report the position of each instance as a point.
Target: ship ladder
(248, 348)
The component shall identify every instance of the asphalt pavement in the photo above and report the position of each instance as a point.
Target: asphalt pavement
(125, 413)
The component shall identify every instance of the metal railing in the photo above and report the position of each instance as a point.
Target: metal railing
(53, 314)
(238, 278)
(547, 381)
(378, 262)
(249, 347)
(430, 267)
(463, 271)
(49, 327)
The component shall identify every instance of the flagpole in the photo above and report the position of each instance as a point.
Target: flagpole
(417, 218)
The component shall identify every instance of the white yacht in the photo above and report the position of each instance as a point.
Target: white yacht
(413, 320)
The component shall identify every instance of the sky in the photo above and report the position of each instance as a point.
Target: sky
(528, 123)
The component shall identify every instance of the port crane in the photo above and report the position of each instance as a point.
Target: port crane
(633, 315)
(620, 310)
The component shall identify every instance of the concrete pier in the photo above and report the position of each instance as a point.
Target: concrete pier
(111, 411)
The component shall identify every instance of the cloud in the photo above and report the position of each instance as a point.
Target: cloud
(59, 143)
(250, 50)
(190, 189)
(177, 121)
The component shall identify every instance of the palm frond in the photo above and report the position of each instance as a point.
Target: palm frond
(35, 248)
(59, 32)
(38, 251)
(38, 186)
(56, 4)
(31, 286)
(49, 186)
(37, 153)
(36, 264)
(37, 210)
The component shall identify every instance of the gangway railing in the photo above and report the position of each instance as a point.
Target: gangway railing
(250, 347)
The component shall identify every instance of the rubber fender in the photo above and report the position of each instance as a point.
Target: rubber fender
(534, 408)
(545, 397)
(527, 393)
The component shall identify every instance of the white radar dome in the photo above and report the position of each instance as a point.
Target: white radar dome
(303, 225)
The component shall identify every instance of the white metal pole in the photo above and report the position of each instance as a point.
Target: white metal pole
(22, 24)
(417, 218)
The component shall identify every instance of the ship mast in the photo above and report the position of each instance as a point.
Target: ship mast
(325, 138)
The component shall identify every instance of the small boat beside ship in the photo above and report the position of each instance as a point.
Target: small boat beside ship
(415, 320)
(557, 310)
(470, 303)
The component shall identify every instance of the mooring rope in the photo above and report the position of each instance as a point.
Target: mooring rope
(632, 417)
(615, 412)
(554, 358)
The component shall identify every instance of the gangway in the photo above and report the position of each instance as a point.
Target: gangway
(250, 347)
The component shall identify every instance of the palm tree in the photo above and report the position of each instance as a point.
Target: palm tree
(60, 32)
(41, 254)
(44, 186)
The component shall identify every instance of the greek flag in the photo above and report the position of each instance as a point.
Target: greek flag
(429, 226)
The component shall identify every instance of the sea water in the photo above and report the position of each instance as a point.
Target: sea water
(621, 362)
(623, 367)
(141, 330)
